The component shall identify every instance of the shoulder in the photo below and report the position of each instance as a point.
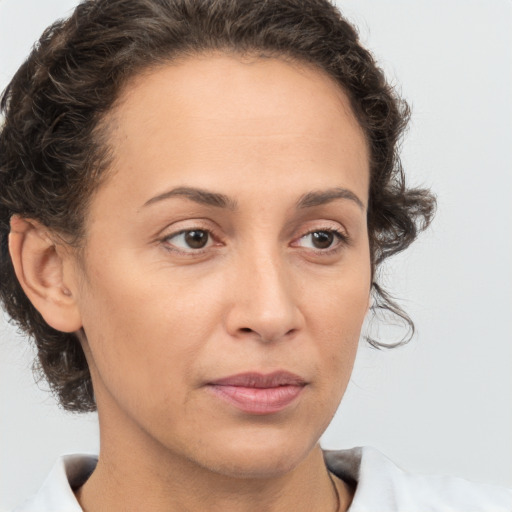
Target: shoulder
(381, 485)
(56, 493)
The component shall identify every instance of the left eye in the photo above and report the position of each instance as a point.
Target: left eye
(323, 239)
(190, 239)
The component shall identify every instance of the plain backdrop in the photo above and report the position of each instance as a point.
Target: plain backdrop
(442, 404)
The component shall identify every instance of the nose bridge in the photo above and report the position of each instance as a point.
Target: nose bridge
(265, 303)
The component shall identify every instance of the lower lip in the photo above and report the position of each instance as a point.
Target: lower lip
(258, 400)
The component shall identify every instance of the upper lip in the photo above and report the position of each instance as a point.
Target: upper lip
(260, 380)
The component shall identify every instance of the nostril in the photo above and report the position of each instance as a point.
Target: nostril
(246, 329)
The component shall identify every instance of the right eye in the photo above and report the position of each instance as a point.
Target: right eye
(190, 240)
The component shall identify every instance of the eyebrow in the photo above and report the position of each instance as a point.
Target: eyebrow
(198, 196)
(218, 200)
(321, 197)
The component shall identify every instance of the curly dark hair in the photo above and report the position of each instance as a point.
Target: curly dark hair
(53, 151)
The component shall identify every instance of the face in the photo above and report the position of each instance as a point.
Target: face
(226, 273)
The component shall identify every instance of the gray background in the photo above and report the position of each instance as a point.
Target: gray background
(443, 404)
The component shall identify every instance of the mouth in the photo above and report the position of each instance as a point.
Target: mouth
(260, 394)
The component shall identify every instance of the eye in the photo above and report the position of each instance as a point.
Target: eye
(190, 239)
(322, 239)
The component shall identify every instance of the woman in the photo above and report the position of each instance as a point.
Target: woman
(196, 197)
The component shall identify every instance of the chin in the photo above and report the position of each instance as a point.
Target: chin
(256, 454)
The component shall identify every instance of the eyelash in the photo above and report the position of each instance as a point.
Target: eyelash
(340, 236)
(190, 252)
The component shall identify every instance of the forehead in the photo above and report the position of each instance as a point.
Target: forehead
(239, 89)
(222, 112)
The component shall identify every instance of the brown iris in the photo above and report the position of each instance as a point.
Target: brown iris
(322, 239)
(196, 239)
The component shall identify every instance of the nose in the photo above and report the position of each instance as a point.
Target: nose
(264, 302)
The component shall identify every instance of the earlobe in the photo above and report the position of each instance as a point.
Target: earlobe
(39, 267)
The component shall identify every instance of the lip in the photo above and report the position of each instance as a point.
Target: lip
(258, 393)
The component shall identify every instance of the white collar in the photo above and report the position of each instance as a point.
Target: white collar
(384, 487)
(380, 486)
(56, 493)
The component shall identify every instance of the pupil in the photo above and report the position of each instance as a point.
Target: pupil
(322, 239)
(196, 239)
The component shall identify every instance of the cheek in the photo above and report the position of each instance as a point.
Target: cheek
(334, 326)
(136, 333)
(341, 297)
(336, 314)
(147, 330)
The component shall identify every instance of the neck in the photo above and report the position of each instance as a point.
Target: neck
(135, 475)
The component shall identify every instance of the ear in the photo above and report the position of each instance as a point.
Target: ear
(40, 266)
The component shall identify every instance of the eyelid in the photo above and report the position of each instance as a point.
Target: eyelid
(332, 229)
(340, 234)
(184, 231)
(184, 227)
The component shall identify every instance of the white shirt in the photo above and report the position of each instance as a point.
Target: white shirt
(381, 486)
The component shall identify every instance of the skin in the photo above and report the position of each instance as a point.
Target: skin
(162, 319)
